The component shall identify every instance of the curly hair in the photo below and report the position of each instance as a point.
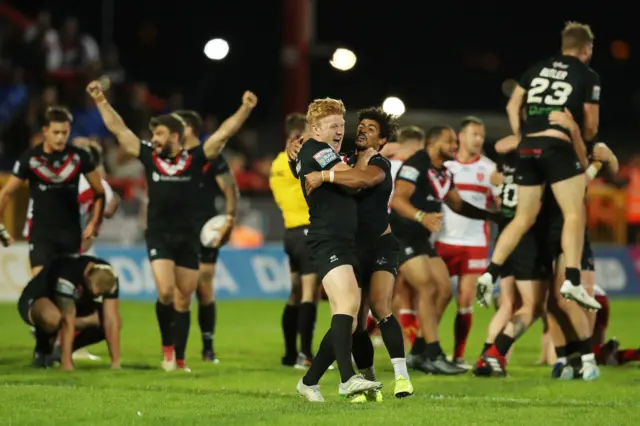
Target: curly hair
(387, 122)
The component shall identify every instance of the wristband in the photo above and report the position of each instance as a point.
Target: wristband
(419, 215)
(593, 169)
(231, 217)
(332, 175)
(100, 99)
(322, 175)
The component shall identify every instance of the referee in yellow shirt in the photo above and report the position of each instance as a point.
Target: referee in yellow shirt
(299, 314)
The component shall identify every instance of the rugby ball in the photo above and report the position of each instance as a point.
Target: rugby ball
(211, 230)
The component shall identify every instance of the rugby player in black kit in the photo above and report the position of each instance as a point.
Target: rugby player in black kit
(547, 155)
(331, 242)
(216, 178)
(52, 299)
(376, 248)
(422, 185)
(173, 175)
(53, 170)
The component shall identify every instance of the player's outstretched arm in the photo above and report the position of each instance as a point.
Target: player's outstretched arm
(216, 142)
(514, 107)
(112, 325)
(455, 202)
(112, 120)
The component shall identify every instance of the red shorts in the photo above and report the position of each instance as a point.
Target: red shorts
(463, 260)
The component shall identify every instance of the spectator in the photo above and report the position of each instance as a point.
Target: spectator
(78, 50)
(42, 50)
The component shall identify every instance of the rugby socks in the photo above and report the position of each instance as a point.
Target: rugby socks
(44, 341)
(486, 347)
(306, 323)
(503, 344)
(586, 351)
(341, 340)
(363, 354)
(290, 330)
(324, 358)
(461, 329)
(493, 270)
(207, 321)
(409, 323)
(392, 336)
(181, 324)
(561, 353)
(164, 314)
(419, 346)
(89, 336)
(573, 275)
(433, 350)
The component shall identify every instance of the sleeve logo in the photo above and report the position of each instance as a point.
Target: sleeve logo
(325, 157)
(16, 167)
(595, 94)
(409, 173)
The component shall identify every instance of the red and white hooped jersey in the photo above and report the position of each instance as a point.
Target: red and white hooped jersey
(473, 181)
(85, 199)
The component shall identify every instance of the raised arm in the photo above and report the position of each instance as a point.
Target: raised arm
(216, 142)
(112, 120)
(227, 183)
(514, 106)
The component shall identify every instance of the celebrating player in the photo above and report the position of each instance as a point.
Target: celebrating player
(173, 175)
(53, 170)
(422, 185)
(547, 156)
(300, 312)
(463, 243)
(54, 297)
(331, 242)
(376, 249)
(216, 177)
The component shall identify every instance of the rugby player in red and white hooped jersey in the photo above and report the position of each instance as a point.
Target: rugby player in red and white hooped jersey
(463, 243)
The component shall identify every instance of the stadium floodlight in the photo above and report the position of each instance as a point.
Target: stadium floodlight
(216, 49)
(393, 105)
(343, 59)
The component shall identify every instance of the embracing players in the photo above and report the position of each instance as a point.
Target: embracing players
(547, 156)
(53, 171)
(174, 175)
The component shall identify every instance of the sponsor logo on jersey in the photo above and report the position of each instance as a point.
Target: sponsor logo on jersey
(325, 157)
(595, 94)
(480, 176)
(409, 173)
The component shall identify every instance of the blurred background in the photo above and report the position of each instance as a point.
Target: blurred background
(438, 63)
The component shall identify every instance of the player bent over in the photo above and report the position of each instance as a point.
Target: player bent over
(51, 300)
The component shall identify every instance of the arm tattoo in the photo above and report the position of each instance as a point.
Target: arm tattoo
(66, 304)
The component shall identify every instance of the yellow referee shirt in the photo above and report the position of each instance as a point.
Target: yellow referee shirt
(288, 193)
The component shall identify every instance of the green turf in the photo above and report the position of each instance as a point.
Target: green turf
(250, 387)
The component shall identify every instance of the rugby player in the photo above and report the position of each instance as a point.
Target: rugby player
(422, 185)
(173, 175)
(53, 298)
(376, 249)
(331, 242)
(300, 312)
(546, 155)
(463, 243)
(410, 140)
(53, 170)
(216, 176)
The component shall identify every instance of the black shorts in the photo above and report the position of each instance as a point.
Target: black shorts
(554, 245)
(24, 305)
(42, 251)
(328, 252)
(414, 247)
(545, 159)
(295, 247)
(209, 254)
(380, 254)
(530, 261)
(182, 249)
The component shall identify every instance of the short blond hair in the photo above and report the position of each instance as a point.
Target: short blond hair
(321, 108)
(103, 278)
(576, 36)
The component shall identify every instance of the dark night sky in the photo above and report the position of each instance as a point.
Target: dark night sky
(424, 55)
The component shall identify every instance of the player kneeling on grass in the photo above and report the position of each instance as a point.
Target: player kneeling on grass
(51, 300)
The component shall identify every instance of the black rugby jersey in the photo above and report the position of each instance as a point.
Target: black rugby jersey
(209, 189)
(431, 187)
(509, 189)
(332, 210)
(53, 186)
(64, 277)
(373, 203)
(554, 84)
(174, 185)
